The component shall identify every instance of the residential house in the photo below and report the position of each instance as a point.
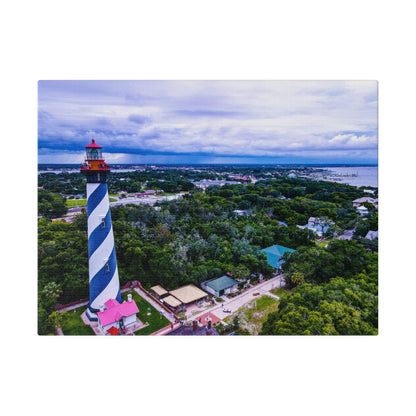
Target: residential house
(241, 212)
(117, 315)
(275, 254)
(357, 202)
(318, 225)
(362, 210)
(371, 235)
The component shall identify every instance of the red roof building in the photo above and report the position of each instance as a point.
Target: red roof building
(117, 315)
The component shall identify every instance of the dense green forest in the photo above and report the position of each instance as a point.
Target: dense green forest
(334, 292)
(200, 237)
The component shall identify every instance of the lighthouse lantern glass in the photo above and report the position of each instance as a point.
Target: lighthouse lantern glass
(94, 154)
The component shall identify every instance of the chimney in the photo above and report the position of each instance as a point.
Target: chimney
(129, 297)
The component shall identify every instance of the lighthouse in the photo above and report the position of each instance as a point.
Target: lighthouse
(102, 264)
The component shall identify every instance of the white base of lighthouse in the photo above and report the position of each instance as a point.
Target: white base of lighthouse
(91, 315)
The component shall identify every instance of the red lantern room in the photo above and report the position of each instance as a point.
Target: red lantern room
(94, 167)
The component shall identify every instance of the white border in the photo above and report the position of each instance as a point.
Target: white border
(215, 40)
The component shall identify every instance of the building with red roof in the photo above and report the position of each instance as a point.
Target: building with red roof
(117, 315)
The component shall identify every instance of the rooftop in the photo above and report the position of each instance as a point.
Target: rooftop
(115, 311)
(159, 290)
(93, 144)
(365, 199)
(188, 293)
(221, 283)
(172, 301)
(275, 253)
(372, 234)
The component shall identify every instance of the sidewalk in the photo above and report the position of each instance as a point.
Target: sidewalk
(166, 330)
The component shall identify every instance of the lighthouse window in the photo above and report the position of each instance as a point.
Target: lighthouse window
(103, 222)
(107, 267)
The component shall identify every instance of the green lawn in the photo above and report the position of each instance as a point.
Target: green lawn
(155, 320)
(74, 324)
(279, 292)
(71, 203)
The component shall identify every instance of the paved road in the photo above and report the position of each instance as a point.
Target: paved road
(136, 201)
(145, 200)
(233, 304)
(75, 209)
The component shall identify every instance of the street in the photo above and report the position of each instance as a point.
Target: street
(233, 304)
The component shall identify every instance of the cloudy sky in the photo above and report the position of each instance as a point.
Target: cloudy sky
(185, 122)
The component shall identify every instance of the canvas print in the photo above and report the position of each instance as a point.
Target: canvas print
(184, 208)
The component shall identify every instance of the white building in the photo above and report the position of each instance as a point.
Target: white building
(362, 210)
(318, 225)
(357, 202)
(371, 235)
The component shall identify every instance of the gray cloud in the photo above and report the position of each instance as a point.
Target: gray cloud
(221, 118)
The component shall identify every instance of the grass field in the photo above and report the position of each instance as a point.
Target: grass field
(155, 320)
(71, 203)
(75, 325)
(279, 292)
(253, 315)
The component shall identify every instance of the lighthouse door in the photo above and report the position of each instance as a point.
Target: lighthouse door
(121, 325)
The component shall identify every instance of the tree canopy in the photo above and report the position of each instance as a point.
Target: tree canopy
(339, 307)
